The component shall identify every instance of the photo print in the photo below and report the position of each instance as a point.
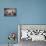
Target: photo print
(9, 11)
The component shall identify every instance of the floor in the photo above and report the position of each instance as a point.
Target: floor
(7, 45)
(30, 43)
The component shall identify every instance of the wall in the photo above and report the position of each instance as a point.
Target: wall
(28, 12)
(33, 12)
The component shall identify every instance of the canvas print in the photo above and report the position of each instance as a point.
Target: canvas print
(9, 11)
(33, 32)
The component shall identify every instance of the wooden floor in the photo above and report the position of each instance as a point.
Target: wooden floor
(30, 43)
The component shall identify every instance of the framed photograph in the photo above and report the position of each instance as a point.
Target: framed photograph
(32, 32)
(9, 11)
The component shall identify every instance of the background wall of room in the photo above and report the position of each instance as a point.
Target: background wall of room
(28, 12)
